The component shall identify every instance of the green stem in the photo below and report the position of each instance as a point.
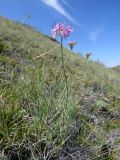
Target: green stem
(64, 71)
(69, 55)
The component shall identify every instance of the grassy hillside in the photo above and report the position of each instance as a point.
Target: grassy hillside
(35, 122)
(117, 69)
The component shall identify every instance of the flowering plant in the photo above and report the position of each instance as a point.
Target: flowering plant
(72, 44)
(62, 30)
(88, 55)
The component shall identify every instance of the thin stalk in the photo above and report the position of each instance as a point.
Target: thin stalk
(69, 55)
(64, 71)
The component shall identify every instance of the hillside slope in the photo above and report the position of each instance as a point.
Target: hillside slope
(35, 122)
(116, 69)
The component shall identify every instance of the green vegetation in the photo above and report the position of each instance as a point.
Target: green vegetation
(117, 69)
(35, 123)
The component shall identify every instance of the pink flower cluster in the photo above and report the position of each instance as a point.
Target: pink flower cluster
(72, 44)
(62, 30)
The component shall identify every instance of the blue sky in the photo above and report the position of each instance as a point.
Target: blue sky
(96, 23)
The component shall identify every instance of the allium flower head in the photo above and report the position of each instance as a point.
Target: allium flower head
(72, 44)
(62, 30)
(88, 55)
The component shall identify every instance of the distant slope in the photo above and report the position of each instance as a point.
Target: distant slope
(35, 122)
(22, 44)
(116, 69)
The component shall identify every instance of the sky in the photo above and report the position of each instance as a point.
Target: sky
(96, 23)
